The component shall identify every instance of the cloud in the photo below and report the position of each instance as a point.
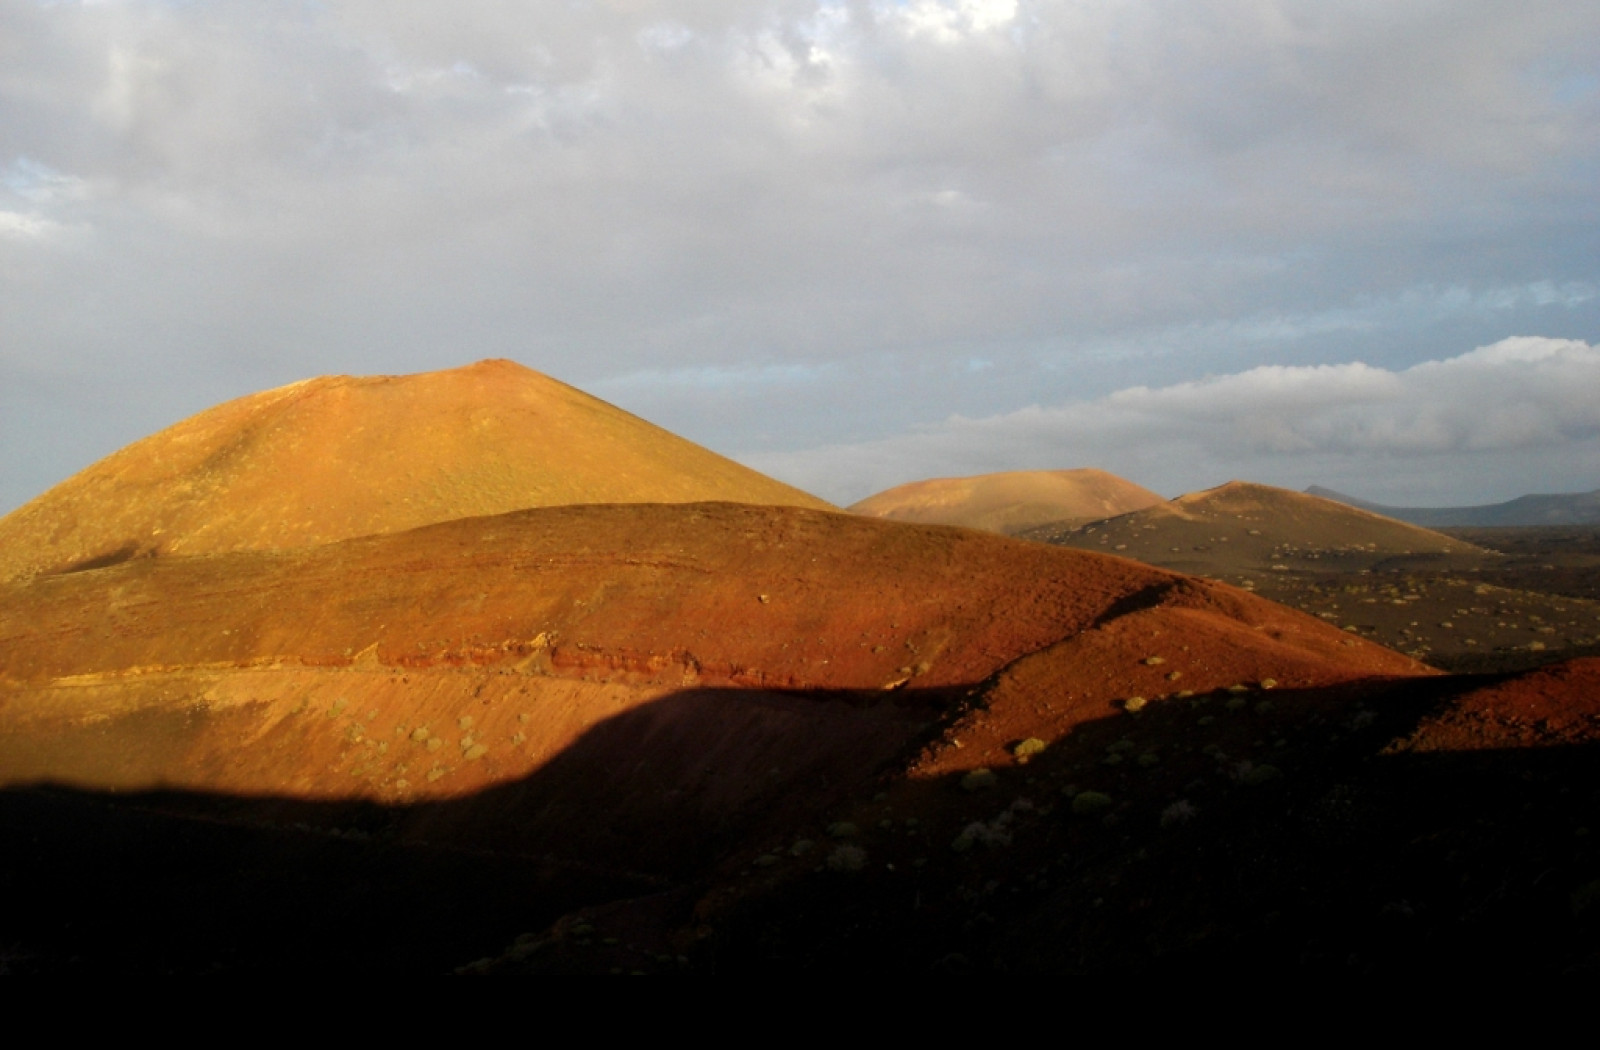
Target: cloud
(948, 22)
(1524, 409)
(857, 197)
(20, 226)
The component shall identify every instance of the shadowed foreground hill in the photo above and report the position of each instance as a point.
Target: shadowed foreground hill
(340, 456)
(1244, 527)
(728, 737)
(1010, 502)
(1435, 824)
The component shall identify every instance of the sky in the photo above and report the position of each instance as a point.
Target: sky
(852, 243)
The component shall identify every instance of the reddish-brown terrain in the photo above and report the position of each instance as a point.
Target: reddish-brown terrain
(725, 737)
(341, 456)
(1010, 502)
(435, 662)
(626, 691)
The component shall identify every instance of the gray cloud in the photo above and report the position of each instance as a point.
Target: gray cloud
(775, 224)
(1491, 421)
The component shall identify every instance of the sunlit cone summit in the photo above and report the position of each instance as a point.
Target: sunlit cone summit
(342, 456)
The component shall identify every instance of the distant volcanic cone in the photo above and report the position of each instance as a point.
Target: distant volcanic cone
(1244, 526)
(340, 456)
(1010, 502)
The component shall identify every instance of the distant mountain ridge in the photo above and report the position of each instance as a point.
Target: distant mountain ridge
(1577, 508)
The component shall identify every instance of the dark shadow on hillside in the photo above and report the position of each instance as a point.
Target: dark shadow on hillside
(1403, 863)
(187, 881)
(1349, 858)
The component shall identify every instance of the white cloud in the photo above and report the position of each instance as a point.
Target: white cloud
(1527, 408)
(665, 36)
(948, 21)
(28, 227)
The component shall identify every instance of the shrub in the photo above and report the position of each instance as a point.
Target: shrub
(1031, 746)
(979, 779)
(1090, 803)
(847, 858)
(1258, 775)
(1180, 812)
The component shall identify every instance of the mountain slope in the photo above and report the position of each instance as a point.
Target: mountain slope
(817, 644)
(566, 706)
(339, 456)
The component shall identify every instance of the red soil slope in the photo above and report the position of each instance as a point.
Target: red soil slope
(682, 667)
(1010, 502)
(337, 457)
(1555, 706)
